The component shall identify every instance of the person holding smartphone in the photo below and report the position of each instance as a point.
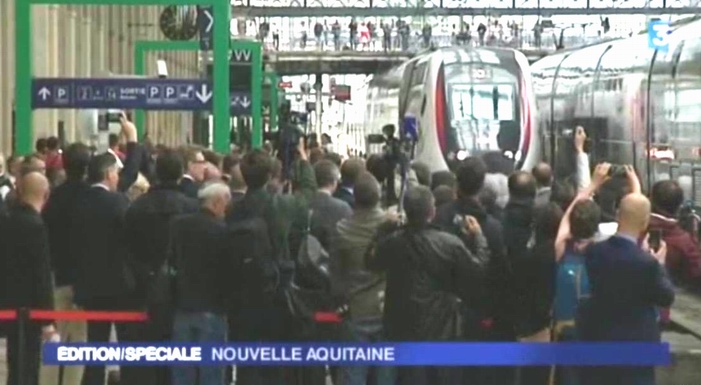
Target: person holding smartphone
(683, 260)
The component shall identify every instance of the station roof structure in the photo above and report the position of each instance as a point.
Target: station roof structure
(404, 8)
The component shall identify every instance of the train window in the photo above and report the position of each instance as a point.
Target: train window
(418, 74)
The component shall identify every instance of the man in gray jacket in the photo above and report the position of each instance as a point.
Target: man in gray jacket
(363, 289)
(327, 210)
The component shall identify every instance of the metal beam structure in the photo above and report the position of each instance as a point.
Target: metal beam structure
(404, 11)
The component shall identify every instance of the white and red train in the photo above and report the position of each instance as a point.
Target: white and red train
(467, 101)
(639, 105)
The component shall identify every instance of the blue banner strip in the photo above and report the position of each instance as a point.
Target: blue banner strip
(385, 354)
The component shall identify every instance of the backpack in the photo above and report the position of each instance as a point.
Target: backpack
(571, 291)
(263, 271)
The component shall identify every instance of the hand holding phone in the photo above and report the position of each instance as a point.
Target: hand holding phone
(654, 240)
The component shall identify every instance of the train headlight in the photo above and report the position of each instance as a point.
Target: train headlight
(462, 155)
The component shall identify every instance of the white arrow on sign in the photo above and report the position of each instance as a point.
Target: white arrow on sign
(204, 94)
(211, 20)
(44, 93)
(245, 103)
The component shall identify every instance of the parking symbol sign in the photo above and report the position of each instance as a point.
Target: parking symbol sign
(61, 94)
(171, 92)
(153, 92)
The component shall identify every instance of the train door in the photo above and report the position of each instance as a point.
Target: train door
(684, 136)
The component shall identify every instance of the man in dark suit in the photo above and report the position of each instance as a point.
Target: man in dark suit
(628, 284)
(27, 275)
(194, 176)
(148, 225)
(350, 170)
(57, 216)
(231, 170)
(104, 279)
(327, 210)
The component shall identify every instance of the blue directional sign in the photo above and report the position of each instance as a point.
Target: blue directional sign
(240, 103)
(148, 94)
(205, 22)
(658, 33)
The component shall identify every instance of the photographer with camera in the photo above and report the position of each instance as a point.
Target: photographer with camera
(262, 226)
(433, 281)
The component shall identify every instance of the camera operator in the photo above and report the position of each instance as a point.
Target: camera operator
(286, 141)
(394, 164)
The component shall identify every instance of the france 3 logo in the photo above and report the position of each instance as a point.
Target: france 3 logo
(659, 33)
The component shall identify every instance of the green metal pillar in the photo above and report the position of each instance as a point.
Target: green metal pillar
(23, 75)
(220, 77)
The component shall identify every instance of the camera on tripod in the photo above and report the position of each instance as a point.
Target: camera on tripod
(398, 151)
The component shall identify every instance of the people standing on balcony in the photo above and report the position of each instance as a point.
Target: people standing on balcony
(353, 27)
(481, 31)
(303, 40)
(404, 32)
(426, 35)
(276, 40)
(336, 31)
(372, 30)
(326, 34)
(318, 31)
(364, 36)
(263, 31)
(537, 32)
(386, 36)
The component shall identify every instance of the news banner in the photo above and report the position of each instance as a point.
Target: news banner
(386, 354)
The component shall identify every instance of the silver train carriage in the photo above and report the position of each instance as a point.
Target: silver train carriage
(467, 101)
(639, 106)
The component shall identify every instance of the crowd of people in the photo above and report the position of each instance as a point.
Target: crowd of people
(212, 248)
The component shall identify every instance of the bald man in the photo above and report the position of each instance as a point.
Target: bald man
(27, 274)
(543, 175)
(628, 284)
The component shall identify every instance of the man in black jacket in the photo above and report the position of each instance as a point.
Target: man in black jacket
(57, 216)
(98, 239)
(518, 215)
(194, 176)
(27, 275)
(350, 170)
(496, 320)
(430, 275)
(202, 258)
(148, 225)
(259, 319)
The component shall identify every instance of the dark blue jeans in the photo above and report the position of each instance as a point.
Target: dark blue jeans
(365, 331)
(199, 327)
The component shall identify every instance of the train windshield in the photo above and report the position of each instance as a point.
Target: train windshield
(482, 106)
(478, 113)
